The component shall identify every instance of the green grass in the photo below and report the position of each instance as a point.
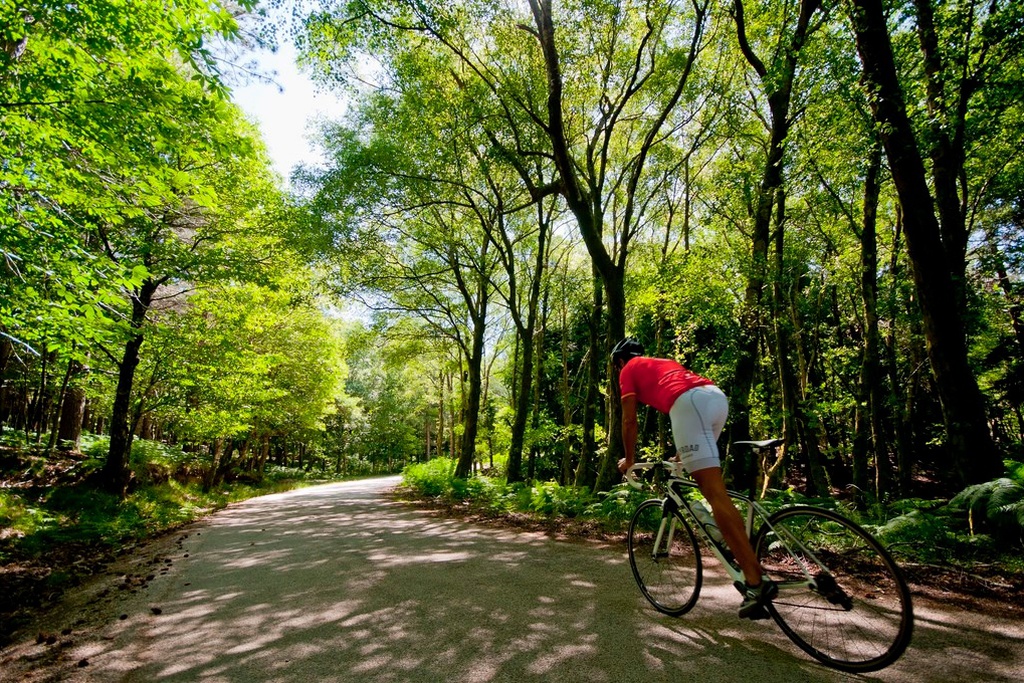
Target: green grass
(81, 515)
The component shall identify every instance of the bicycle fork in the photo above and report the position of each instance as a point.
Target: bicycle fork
(667, 520)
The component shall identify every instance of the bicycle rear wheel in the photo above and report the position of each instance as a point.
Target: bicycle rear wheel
(842, 599)
(670, 574)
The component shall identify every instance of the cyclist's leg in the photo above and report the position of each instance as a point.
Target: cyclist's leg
(698, 417)
(729, 521)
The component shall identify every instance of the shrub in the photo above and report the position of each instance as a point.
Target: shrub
(925, 535)
(432, 478)
(551, 498)
(618, 505)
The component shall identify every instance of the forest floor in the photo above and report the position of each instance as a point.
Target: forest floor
(34, 581)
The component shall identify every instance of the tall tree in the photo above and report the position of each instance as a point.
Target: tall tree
(205, 190)
(642, 66)
(643, 56)
(776, 76)
(430, 204)
(970, 443)
(524, 273)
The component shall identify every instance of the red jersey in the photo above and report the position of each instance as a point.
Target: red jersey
(657, 382)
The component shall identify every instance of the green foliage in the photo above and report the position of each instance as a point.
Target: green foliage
(107, 108)
(19, 517)
(432, 478)
(277, 475)
(246, 360)
(611, 510)
(618, 505)
(997, 505)
(435, 479)
(552, 499)
(150, 461)
(78, 513)
(984, 521)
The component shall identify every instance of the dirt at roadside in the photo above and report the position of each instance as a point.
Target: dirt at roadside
(38, 647)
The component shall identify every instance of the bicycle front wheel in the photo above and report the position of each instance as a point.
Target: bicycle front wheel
(842, 599)
(665, 558)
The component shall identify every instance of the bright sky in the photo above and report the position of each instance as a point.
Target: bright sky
(284, 113)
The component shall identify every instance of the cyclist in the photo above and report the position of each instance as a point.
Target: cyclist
(697, 410)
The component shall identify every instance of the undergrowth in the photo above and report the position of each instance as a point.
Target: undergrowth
(49, 502)
(436, 479)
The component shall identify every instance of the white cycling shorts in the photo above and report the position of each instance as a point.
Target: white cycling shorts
(698, 417)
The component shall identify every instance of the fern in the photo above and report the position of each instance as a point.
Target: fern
(1016, 511)
(1001, 501)
(1005, 494)
(1015, 470)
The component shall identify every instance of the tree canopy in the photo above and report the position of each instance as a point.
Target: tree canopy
(816, 205)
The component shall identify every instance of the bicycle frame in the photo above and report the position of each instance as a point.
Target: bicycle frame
(853, 614)
(674, 501)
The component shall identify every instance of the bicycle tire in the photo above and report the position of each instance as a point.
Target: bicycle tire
(859, 616)
(670, 580)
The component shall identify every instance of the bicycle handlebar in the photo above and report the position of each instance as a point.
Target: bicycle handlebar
(675, 469)
(630, 473)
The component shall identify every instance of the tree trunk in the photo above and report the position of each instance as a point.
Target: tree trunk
(778, 86)
(440, 413)
(870, 443)
(567, 441)
(795, 397)
(522, 406)
(609, 474)
(213, 473)
(261, 460)
(72, 415)
(115, 471)
(59, 409)
(453, 444)
(525, 334)
(72, 419)
(40, 406)
(6, 351)
(474, 363)
(539, 351)
(586, 471)
(970, 444)
(873, 378)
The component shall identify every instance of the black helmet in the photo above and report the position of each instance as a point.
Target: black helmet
(626, 349)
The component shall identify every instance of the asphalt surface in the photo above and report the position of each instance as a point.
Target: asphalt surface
(342, 583)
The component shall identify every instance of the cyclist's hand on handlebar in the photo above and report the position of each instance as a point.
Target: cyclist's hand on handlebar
(634, 474)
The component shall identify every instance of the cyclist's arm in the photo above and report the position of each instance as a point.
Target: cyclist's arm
(629, 428)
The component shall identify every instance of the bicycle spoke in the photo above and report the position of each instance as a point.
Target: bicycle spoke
(665, 559)
(856, 613)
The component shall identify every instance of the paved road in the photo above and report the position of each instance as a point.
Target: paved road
(340, 583)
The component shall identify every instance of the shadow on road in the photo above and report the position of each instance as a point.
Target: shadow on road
(339, 584)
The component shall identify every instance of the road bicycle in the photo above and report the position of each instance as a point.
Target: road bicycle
(842, 598)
